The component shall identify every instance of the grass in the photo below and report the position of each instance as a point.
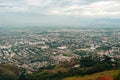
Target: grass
(95, 76)
(57, 70)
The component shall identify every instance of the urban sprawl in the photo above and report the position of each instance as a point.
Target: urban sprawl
(34, 49)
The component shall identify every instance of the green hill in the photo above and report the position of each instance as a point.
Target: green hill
(95, 76)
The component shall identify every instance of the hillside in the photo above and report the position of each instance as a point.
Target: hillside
(8, 72)
(95, 76)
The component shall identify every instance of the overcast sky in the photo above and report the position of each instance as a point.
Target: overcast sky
(59, 12)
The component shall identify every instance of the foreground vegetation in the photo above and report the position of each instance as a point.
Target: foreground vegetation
(88, 65)
(91, 68)
(9, 72)
(95, 76)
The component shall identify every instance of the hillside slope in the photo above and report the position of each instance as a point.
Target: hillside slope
(95, 76)
(8, 72)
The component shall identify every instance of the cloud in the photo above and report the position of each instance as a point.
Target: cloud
(87, 8)
(96, 9)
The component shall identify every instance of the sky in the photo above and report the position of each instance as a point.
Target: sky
(59, 12)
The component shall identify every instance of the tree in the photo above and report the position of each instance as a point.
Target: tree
(87, 62)
(22, 76)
